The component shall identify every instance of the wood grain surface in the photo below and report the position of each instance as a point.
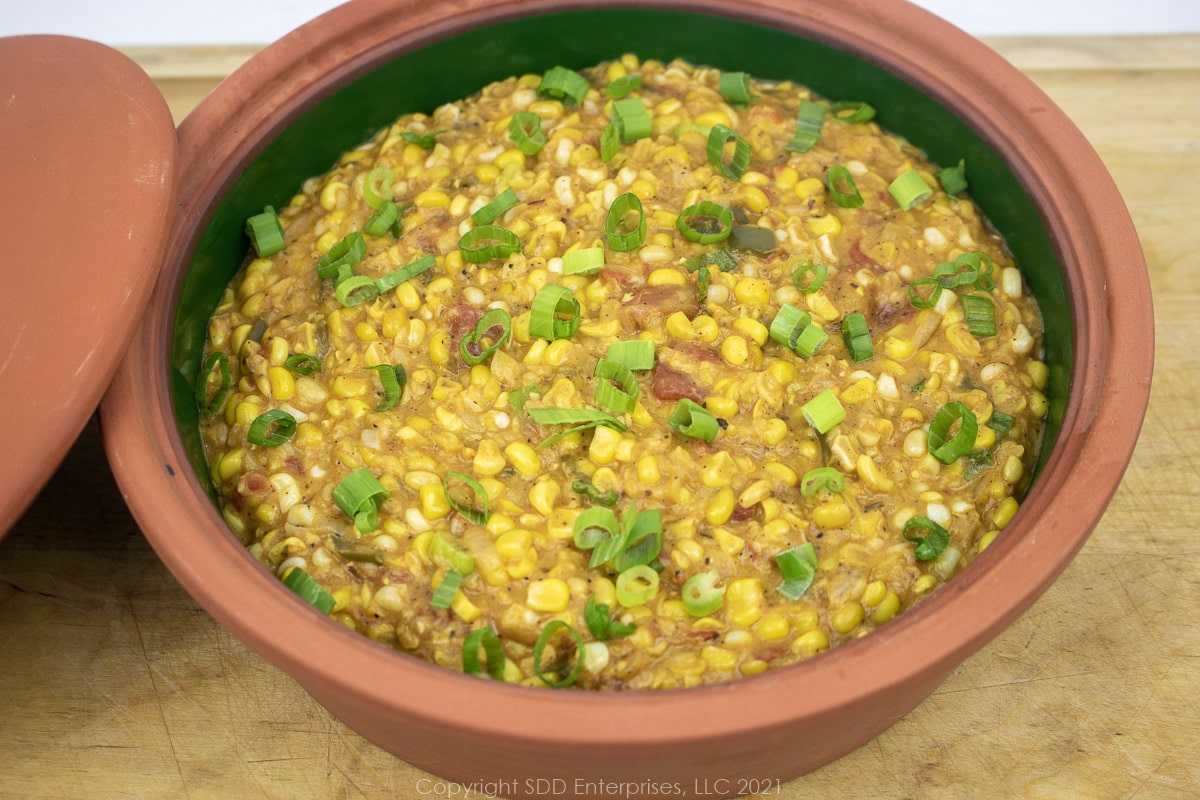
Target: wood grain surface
(114, 684)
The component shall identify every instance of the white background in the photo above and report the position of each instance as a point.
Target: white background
(173, 22)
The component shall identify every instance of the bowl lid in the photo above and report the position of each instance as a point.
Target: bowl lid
(89, 148)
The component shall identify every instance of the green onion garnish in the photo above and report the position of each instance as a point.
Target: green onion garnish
(585, 261)
(824, 411)
(450, 555)
(525, 129)
(559, 664)
(392, 379)
(623, 85)
(857, 337)
(518, 397)
(802, 282)
(617, 390)
(265, 232)
(909, 189)
(377, 188)
(444, 595)
(554, 313)
(703, 279)
(642, 538)
(620, 237)
(788, 324)
(980, 313)
(271, 428)
(933, 544)
(754, 238)
(636, 585)
(983, 267)
(718, 138)
(355, 290)
(722, 259)
(393, 279)
(593, 526)
(798, 566)
(735, 87)
(303, 364)
(692, 419)
(636, 354)
(705, 222)
(479, 344)
(607, 497)
(497, 206)
(809, 118)
(346, 253)
(493, 653)
(602, 626)
(701, 595)
(950, 275)
(1001, 423)
(308, 589)
(946, 448)
(822, 478)
(476, 512)
(359, 495)
(834, 179)
(219, 363)
(954, 179)
(580, 418)
(921, 301)
(631, 118)
(563, 84)
(487, 242)
(610, 141)
(810, 340)
(386, 218)
(425, 140)
(852, 111)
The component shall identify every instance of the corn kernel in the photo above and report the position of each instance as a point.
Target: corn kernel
(720, 507)
(735, 350)
(874, 593)
(648, 470)
(832, 514)
(229, 466)
(773, 431)
(810, 643)
(755, 199)
(543, 495)
(434, 503)
(886, 609)
(924, 584)
(680, 327)
(719, 658)
(987, 539)
(603, 449)
(721, 406)
(557, 352)
(524, 459)
(488, 461)
(755, 493)
(331, 193)
(753, 329)
(827, 225)
(847, 618)
(549, 595)
(510, 157)
(717, 470)
(729, 542)
(752, 291)
(774, 626)
(808, 188)
(666, 277)
(1005, 512)
(897, 348)
(744, 601)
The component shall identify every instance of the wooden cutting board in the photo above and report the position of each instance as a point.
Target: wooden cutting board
(113, 683)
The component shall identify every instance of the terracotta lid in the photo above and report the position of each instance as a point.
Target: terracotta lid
(89, 155)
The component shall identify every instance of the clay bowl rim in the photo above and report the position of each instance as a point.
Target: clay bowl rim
(1054, 162)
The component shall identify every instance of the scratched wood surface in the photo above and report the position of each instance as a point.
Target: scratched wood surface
(114, 684)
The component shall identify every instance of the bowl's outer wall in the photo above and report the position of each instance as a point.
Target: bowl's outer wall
(776, 725)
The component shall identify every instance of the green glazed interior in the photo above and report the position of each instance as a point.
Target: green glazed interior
(459, 66)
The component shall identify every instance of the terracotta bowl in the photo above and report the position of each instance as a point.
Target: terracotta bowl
(327, 86)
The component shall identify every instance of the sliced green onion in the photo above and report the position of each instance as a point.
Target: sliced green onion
(808, 286)
(852, 111)
(718, 138)
(518, 397)
(348, 252)
(735, 87)
(788, 324)
(539, 648)
(602, 626)
(921, 301)
(810, 340)
(705, 222)
(563, 84)
(393, 279)
(303, 364)
(824, 411)
(308, 589)
(754, 238)
(554, 313)
(835, 177)
(949, 275)
(444, 595)
(822, 478)
(983, 267)
(355, 290)
(857, 337)
(623, 85)
(493, 653)
(271, 428)
(910, 189)
(620, 237)
(932, 544)
(450, 555)
(700, 594)
(798, 566)
(593, 526)
(525, 129)
(574, 416)
(607, 497)
(722, 259)
(703, 279)
(265, 232)
(692, 419)
(954, 179)
(219, 363)
(631, 118)
(976, 462)
(636, 354)
(386, 218)
(377, 188)
(494, 208)
(946, 448)
(610, 141)
(636, 586)
(392, 379)
(809, 118)
(585, 261)
(492, 319)
(980, 313)
(425, 140)
(642, 534)
(617, 390)
(1001, 423)
(359, 495)
(487, 242)
(477, 511)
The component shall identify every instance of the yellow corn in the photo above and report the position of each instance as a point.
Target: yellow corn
(773, 431)
(706, 327)
(549, 595)
(827, 225)
(752, 291)
(434, 503)
(808, 188)
(735, 350)
(719, 658)
(1004, 513)
(543, 495)
(603, 449)
(744, 601)
(810, 643)
(752, 329)
(717, 470)
(680, 327)
(729, 542)
(721, 406)
(648, 471)
(832, 514)
(720, 507)
(774, 626)
(848, 617)
(524, 459)
(886, 609)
